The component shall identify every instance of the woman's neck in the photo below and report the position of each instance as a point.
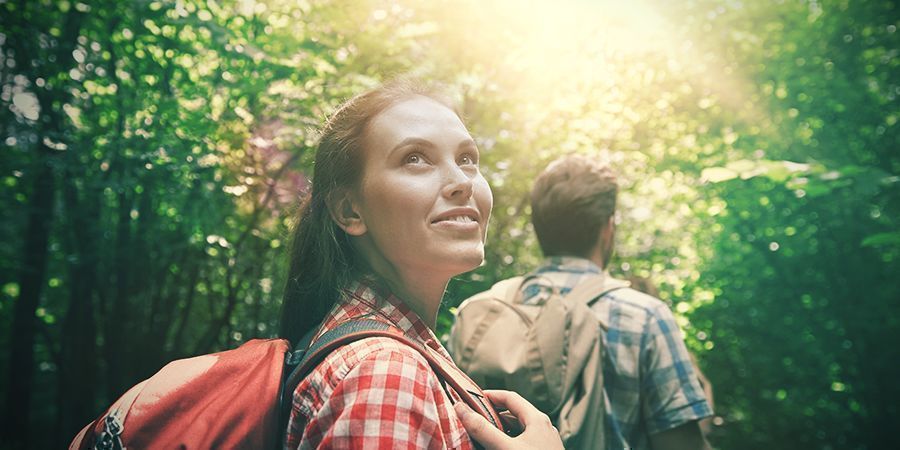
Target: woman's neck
(420, 290)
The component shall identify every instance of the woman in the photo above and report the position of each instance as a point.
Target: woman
(398, 206)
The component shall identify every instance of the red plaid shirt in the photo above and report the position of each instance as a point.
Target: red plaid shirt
(377, 392)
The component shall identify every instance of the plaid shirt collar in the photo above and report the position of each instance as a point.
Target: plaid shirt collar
(365, 298)
(570, 264)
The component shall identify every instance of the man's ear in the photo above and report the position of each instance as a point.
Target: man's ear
(605, 243)
(609, 231)
(345, 212)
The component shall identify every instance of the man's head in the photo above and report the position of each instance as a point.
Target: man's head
(572, 205)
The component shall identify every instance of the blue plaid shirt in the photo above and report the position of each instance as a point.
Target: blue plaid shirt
(650, 384)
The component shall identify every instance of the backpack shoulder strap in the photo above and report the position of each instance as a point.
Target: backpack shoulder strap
(309, 352)
(306, 359)
(507, 289)
(592, 289)
(470, 393)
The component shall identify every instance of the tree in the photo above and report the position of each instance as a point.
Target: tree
(157, 149)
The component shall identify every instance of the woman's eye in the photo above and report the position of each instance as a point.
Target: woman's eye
(414, 158)
(468, 159)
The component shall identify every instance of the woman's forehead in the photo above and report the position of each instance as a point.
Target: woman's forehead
(415, 115)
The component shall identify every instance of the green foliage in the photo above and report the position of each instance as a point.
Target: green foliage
(756, 144)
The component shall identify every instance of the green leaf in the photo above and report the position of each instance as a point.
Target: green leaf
(882, 240)
(717, 174)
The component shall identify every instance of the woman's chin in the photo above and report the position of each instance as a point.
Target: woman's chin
(444, 260)
(461, 263)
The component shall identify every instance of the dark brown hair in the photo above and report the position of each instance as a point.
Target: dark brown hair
(322, 261)
(571, 201)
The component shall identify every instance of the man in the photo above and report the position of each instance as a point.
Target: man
(653, 398)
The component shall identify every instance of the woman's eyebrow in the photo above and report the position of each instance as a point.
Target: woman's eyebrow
(468, 143)
(411, 141)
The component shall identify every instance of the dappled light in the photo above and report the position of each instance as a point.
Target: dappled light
(154, 153)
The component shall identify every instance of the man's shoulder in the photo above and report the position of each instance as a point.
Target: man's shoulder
(627, 297)
(631, 310)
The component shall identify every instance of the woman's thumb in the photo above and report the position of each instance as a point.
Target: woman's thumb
(479, 428)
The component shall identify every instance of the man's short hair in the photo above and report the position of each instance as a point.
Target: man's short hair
(571, 201)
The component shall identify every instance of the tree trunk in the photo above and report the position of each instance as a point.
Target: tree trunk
(114, 335)
(31, 59)
(17, 410)
(78, 371)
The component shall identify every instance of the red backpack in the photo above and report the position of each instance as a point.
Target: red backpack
(240, 398)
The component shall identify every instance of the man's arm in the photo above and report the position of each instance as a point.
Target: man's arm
(683, 437)
(672, 399)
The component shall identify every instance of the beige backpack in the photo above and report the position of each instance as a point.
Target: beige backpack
(550, 353)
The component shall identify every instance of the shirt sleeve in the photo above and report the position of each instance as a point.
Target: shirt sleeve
(386, 401)
(670, 390)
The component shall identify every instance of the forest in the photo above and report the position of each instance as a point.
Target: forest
(152, 154)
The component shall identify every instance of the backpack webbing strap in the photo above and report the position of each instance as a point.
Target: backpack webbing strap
(587, 292)
(355, 330)
(312, 352)
(590, 290)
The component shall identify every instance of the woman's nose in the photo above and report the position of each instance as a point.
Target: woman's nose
(458, 184)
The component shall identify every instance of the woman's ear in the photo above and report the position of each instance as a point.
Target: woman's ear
(344, 210)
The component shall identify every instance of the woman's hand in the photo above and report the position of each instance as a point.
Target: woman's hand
(538, 432)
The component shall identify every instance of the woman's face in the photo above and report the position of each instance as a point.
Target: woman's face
(423, 202)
